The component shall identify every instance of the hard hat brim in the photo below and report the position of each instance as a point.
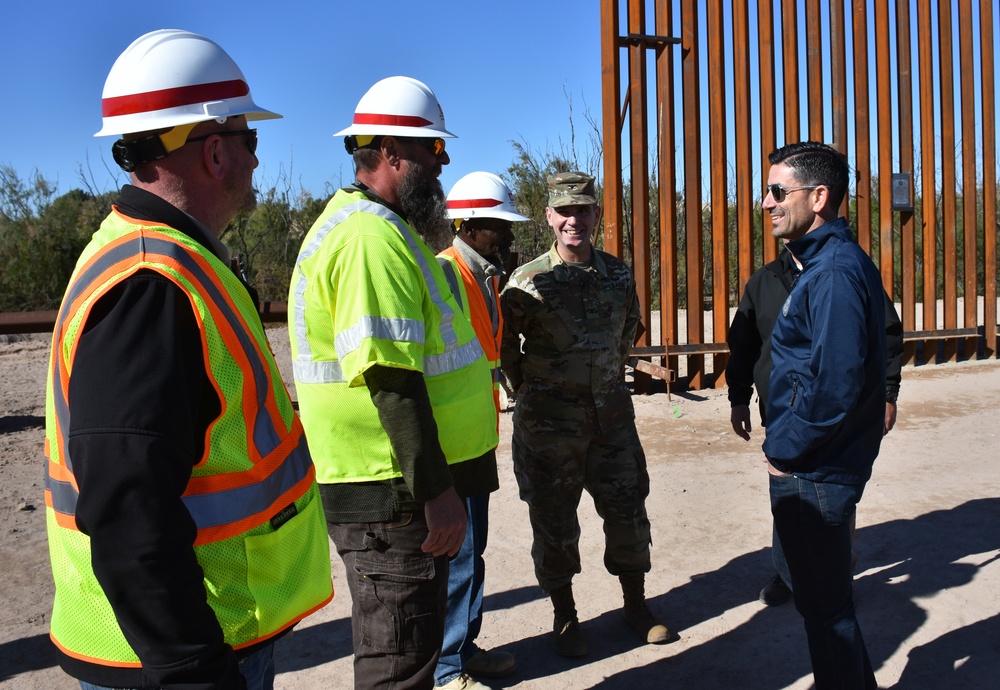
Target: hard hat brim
(173, 117)
(467, 213)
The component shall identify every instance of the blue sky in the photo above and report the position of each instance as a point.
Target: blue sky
(502, 71)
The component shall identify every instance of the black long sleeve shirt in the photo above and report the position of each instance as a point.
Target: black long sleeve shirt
(141, 402)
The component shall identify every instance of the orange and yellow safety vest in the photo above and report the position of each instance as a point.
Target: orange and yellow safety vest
(259, 578)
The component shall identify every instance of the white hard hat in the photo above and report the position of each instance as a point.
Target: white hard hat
(482, 195)
(398, 106)
(170, 77)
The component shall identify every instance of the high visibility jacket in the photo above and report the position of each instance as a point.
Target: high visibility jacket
(465, 286)
(367, 291)
(261, 539)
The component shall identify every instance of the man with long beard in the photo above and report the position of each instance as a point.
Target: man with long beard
(394, 390)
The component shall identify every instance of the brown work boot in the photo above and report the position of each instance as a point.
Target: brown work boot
(490, 664)
(570, 641)
(636, 611)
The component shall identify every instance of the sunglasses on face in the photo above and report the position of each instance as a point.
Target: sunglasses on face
(250, 134)
(778, 191)
(500, 229)
(435, 146)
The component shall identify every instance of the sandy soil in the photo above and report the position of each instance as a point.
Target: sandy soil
(928, 542)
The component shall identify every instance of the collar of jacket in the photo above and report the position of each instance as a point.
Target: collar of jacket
(597, 262)
(480, 266)
(808, 247)
(357, 186)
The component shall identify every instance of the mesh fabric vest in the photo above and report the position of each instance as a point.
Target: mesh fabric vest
(259, 579)
(367, 291)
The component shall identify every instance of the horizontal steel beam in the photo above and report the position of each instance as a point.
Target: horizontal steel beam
(44, 321)
(277, 312)
(648, 41)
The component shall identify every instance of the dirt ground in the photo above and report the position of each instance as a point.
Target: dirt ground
(928, 541)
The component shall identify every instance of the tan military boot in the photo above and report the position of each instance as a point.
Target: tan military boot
(636, 612)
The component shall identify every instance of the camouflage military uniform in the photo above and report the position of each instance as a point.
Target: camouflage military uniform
(574, 424)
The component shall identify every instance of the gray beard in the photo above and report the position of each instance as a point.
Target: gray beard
(423, 202)
(249, 201)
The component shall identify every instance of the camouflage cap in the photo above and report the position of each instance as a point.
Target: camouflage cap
(571, 189)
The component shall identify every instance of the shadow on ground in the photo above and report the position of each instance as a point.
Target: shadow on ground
(319, 644)
(20, 422)
(26, 655)
(911, 559)
(906, 560)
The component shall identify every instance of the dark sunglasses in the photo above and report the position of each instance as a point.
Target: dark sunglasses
(435, 146)
(250, 134)
(494, 225)
(778, 191)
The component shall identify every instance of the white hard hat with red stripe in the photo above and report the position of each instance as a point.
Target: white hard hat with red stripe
(170, 77)
(482, 195)
(398, 106)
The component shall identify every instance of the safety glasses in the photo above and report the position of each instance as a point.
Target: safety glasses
(250, 134)
(435, 146)
(778, 191)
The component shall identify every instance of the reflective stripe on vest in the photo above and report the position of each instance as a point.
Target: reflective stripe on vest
(221, 505)
(454, 357)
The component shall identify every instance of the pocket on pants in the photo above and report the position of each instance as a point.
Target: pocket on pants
(397, 604)
(837, 502)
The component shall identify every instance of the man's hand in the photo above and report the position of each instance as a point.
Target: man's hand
(890, 417)
(740, 419)
(446, 518)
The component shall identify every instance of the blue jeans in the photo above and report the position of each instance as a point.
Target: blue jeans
(257, 670)
(466, 574)
(778, 556)
(398, 594)
(813, 523)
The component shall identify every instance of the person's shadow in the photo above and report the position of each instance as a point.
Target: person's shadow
(906, 560)
(964, 658)
(25, 655)
(20, 422)
(911, 559)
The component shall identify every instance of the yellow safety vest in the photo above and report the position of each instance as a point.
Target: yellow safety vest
(367, 291)
(259, 580)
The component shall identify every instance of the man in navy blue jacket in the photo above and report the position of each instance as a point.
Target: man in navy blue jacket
(827, 402)
(749, 368)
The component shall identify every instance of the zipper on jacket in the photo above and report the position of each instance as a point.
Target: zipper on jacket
(795, 391)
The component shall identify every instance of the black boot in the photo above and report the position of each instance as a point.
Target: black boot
(570, 642)
(636, 611)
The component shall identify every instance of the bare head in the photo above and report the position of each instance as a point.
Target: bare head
(806, 184)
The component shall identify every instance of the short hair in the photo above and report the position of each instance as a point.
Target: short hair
(815, 163)
(367, 159)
